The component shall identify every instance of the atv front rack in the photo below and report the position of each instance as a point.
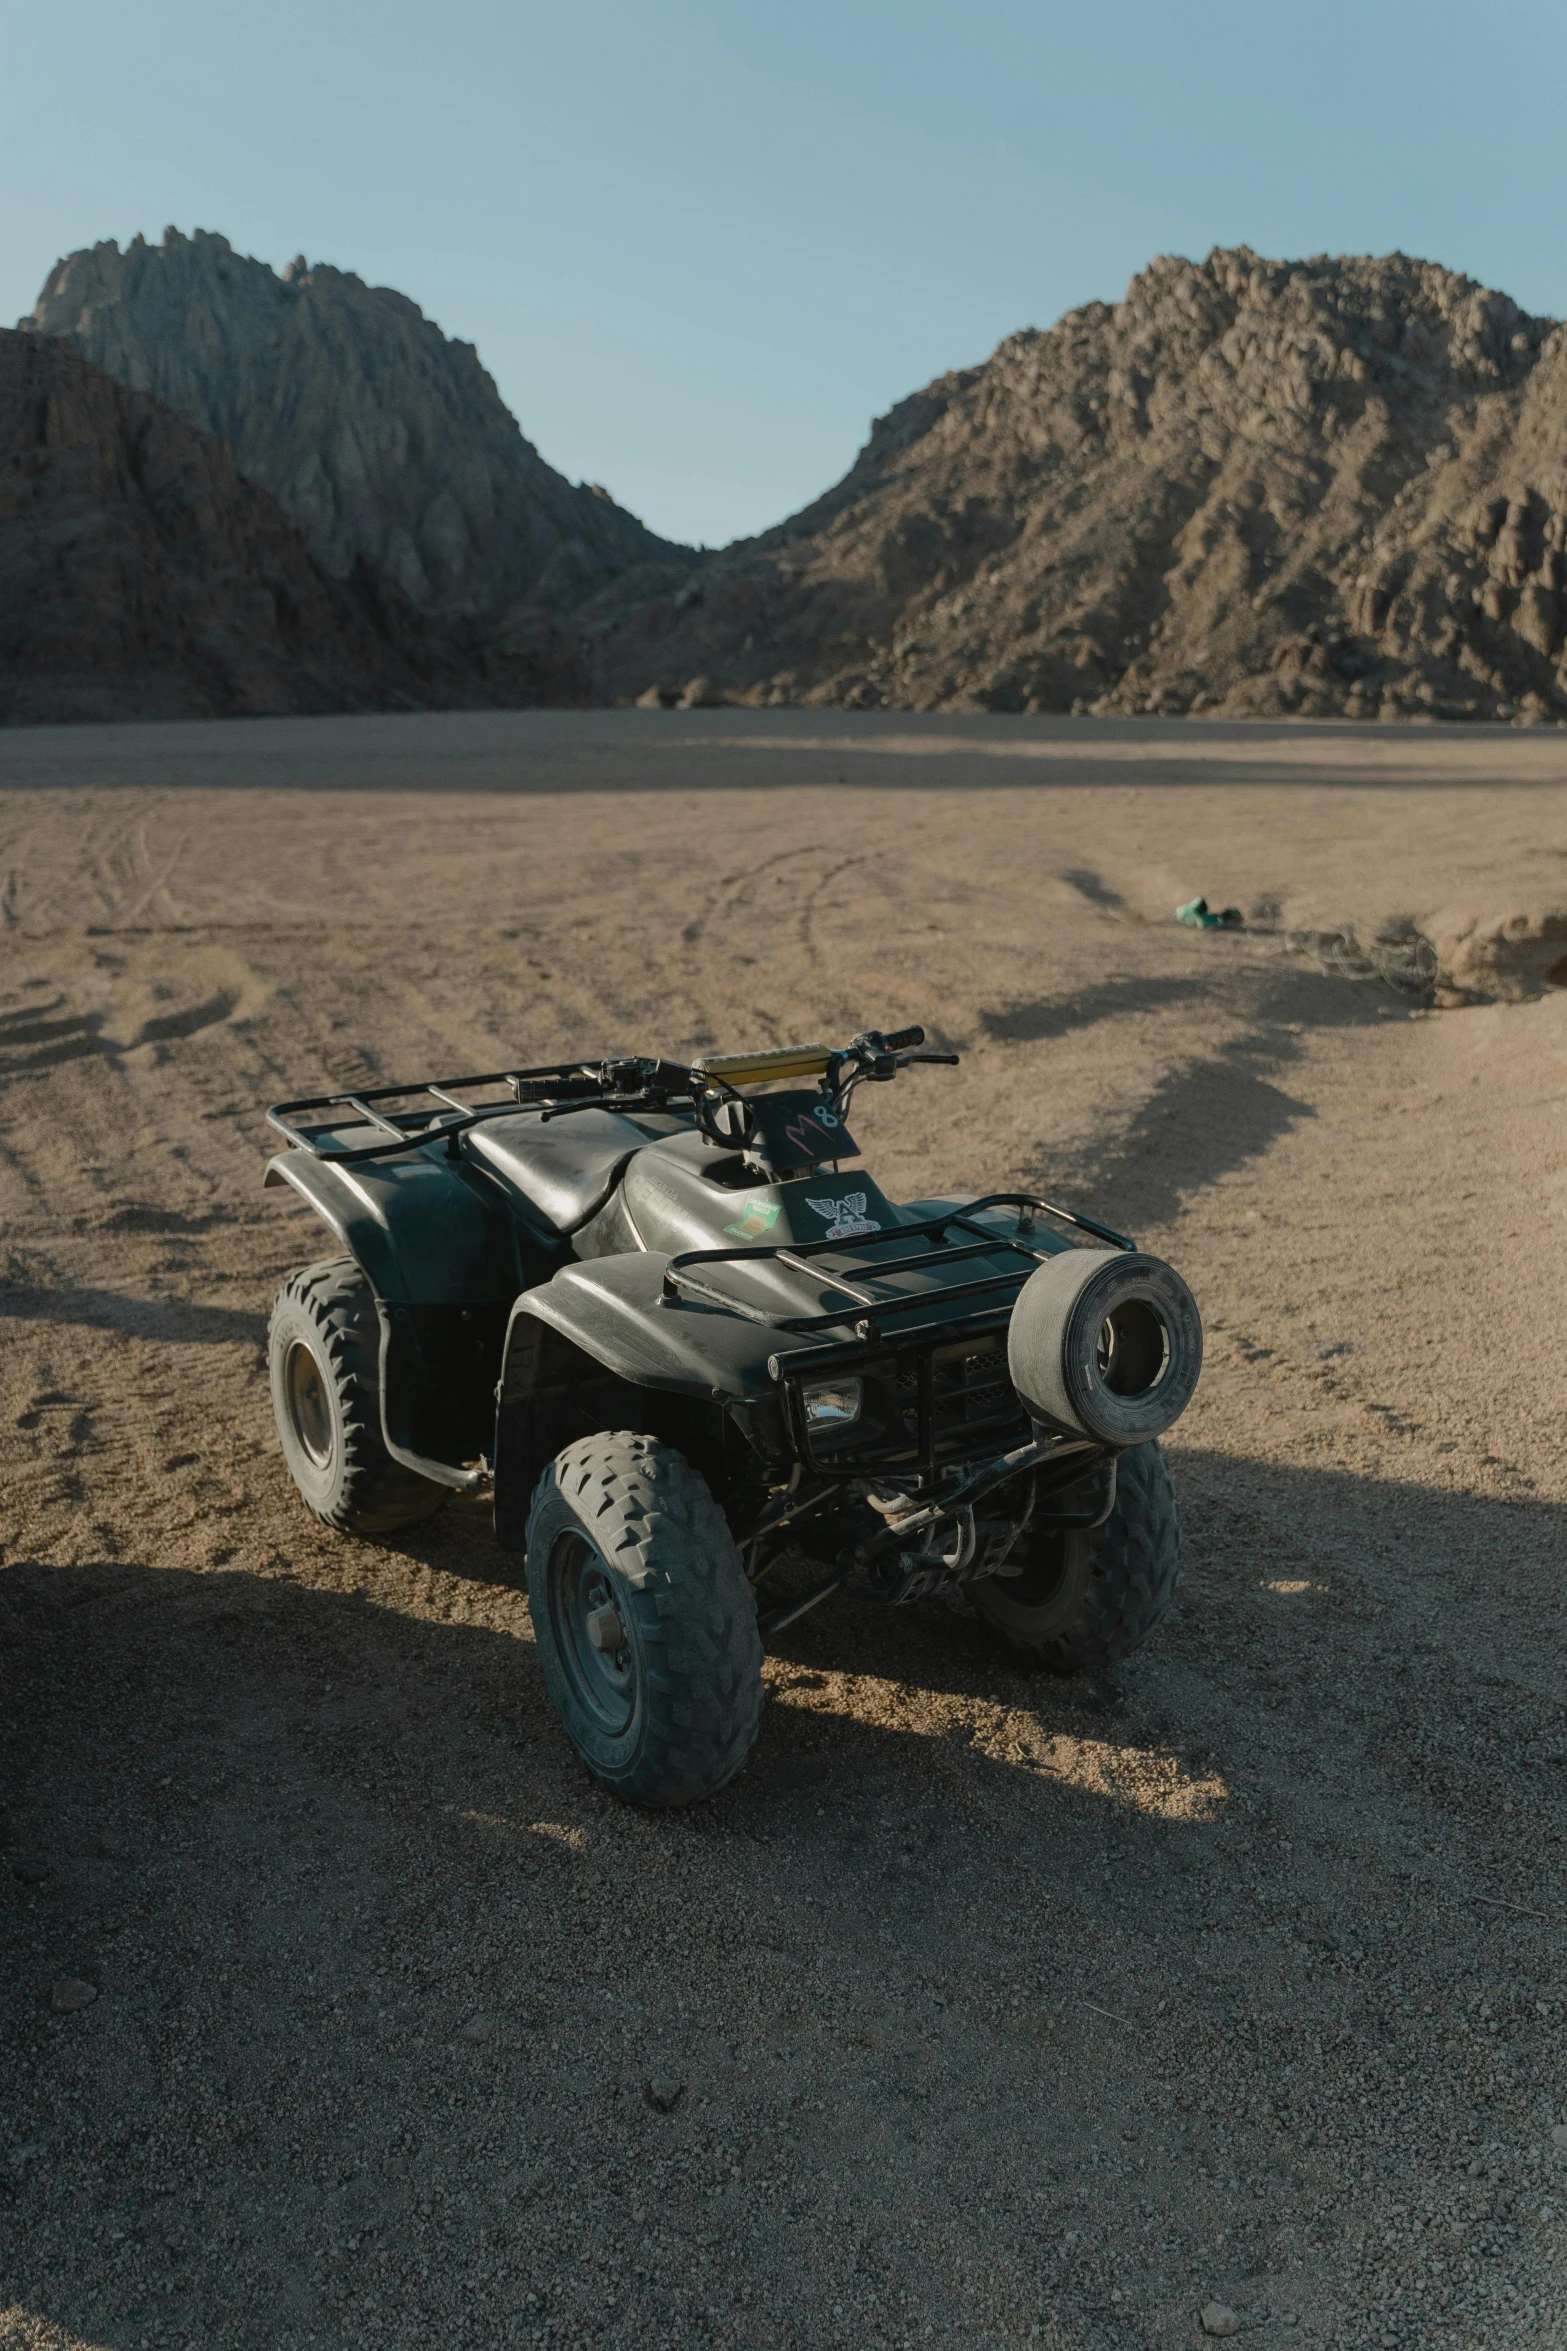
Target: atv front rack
(939, 1395)
(866, 1312)
(434, 1113)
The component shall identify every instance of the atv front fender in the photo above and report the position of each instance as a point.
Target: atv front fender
(614, 1310)
(596, 1348)
(428, 1231)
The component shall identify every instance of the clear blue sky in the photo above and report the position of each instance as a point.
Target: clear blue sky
(699, 244)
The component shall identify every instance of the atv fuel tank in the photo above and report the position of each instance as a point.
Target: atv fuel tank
(682, 1194)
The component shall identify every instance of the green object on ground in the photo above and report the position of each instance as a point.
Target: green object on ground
(1199, 916)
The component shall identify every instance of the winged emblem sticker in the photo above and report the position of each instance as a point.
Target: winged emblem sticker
(846, 1217)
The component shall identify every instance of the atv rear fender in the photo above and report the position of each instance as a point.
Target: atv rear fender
(445, 1256)
(428, 1232)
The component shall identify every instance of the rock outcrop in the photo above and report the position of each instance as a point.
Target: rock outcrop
(1252, 488)
(141, 576)
(382, 439)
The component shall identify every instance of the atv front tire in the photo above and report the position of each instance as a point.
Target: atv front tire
(1087, 1598)
(645, 1622)
(324, 1362)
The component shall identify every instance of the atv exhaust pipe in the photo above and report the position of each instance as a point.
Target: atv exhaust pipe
(1107, 1344)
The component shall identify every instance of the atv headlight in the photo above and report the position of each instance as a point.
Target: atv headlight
(833, 1403)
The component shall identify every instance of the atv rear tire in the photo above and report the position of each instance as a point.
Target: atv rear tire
(645, 1622)
(324, 1361)
(1086, 1599)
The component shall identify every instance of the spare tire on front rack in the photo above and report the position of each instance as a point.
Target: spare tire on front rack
(1105, 1343)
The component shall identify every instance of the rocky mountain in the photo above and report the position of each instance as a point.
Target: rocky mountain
(1254, 488)
(142, 576)
(379, 436)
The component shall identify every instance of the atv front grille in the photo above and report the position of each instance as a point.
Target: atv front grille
(933, 1393)
(970, 1395)
(923, 1407)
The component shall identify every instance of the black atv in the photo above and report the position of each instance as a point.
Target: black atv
(688, 1348)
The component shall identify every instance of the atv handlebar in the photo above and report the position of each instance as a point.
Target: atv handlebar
(409, 1118)
(877, 1057)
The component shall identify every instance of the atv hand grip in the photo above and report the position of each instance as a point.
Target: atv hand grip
(901, 1039)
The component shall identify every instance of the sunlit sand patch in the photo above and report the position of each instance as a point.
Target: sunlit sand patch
(1138, 1779)
(559, 1832)
(562, 1834)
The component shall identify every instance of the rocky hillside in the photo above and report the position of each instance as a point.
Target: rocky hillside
(141, 576)
(381, 438)
(1250, 488)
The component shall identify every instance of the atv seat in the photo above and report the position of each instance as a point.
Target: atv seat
(568, 1168)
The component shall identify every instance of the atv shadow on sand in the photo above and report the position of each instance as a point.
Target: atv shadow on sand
(344, 1830)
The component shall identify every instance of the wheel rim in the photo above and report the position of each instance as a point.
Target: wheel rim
(1042, 1576)
(309, 1406)
(603, 1680)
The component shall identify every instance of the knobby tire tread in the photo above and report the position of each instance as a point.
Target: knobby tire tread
(655, 1521)
(1134, 1574)
(374, 1494)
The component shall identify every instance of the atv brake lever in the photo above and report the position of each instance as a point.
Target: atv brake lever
(881, 1071)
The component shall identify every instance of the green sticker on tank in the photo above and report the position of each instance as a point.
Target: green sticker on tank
(758, 1218)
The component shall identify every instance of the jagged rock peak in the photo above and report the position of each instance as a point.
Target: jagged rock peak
(140, 575)
(382, 437)
(1259, 487)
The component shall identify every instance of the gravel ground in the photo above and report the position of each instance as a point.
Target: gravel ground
(337, 2008)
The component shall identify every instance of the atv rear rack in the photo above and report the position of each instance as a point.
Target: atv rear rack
(556, 1090)
(866, 1312)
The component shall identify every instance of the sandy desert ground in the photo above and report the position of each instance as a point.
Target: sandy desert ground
(1001, 2010)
